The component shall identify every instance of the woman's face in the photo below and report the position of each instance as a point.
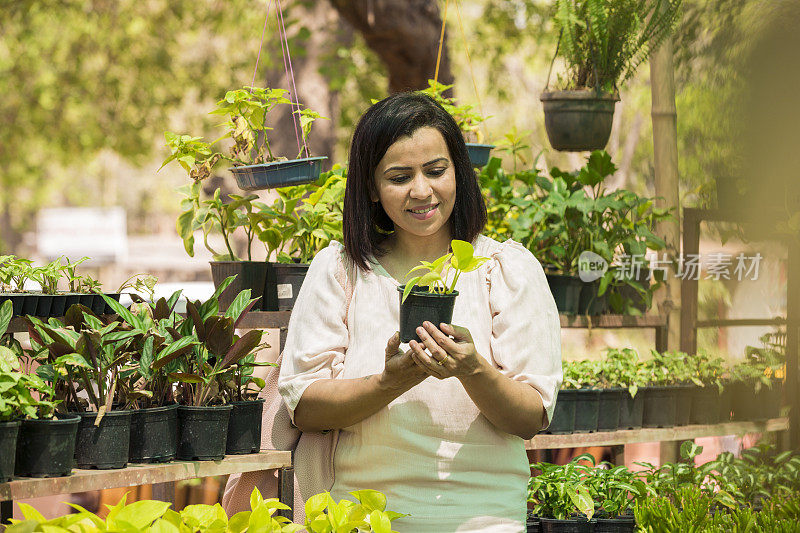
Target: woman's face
(416, 183)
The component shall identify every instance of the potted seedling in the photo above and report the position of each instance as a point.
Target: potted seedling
(91, 356)
(602, 43)
(468, 122)
(580, 379)
(202, 416)
(757, 389)
(663, 374)
(620, 374)
(432, 295)
(615, 489)
(560, 496)
(14, 272)
(707, 391)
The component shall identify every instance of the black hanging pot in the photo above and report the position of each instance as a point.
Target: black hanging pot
(203, 432)
(631, 410)
(244, 427)
(8, 446)
(106, 445)
(278, 173)
(249, 275)
(563, 421)
(46, 448)
(154, 434)
(566, 292)
(283, 284)
(479, 154)
(420, 306)
(578, 121)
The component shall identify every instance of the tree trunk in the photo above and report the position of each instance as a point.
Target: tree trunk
(404, 34)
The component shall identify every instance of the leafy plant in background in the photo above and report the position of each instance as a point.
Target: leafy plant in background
(467, 119)
(561, 491)
(762, 365)
(668, 368)
(580, 374)
(614, 489)
(437, 273)
(706, 371)
(604, 41)
(14, 272)
(759, 474)
(621, 368)
(323, 514)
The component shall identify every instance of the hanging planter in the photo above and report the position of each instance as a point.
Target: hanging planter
(278, 173)
(578, 121)
(479, 154)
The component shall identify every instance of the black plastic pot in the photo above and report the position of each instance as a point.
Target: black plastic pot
(479, 154)
(154, 434)
(244, 427)
(751, 405)
(659, 407)
(726, 403)
(86, 300)
(631, 411)
(622, 524)
(283, 285)
(16, 302)
(563, 421)
(8, 445)
(610, 408)
(59, 307)
(533, 523)
(683, 404)
(566, 292)
(626, 292)
(705, 405)
(572, 525)
(203, 432)
(72, 299)
(421, 306)
(578, 121)
(46, 448)
(44, 303)
(29, 304)
(249, 275)
(107, 308)
(278, 173)
(589, 303)
(106, 446)
(587, 410)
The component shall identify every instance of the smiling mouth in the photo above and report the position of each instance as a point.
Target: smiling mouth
(423, 210)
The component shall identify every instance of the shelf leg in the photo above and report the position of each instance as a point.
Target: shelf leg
(165, 492)
(618, 454)
(286, 491)
(6, 512)
(670, 451)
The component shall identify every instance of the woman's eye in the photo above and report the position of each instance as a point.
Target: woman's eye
(398, 179)
(436, 171)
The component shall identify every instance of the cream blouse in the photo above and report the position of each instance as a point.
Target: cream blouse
(431, 451)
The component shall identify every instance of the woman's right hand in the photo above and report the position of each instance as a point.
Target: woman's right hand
(400, 371)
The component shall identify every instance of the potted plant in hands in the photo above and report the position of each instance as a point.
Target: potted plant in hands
(92, 355)
(602, 43)
(202, 416)
(435, 303)
(255, 166)
(468, 122)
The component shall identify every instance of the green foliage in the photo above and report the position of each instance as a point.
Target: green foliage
(300, 222)
(621, 368)
(437, 273)
(562, 491)
(467, 119)
(580, 374)
(603, 42)
(762, 364)
(324, 515)
(15, 271)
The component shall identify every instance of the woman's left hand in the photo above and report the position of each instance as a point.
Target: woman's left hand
(449, 357)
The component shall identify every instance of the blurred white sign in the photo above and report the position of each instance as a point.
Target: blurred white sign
(98, 232)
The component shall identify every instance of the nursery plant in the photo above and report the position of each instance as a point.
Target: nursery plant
(602, 43)
(467, 119)
(561, 492)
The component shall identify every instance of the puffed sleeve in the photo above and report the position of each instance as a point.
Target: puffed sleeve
(317, 337)
(526, 331)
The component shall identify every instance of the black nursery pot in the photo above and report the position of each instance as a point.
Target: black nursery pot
(566, 292)
(249, 275)
(421, 306)
(105, 446)
(726, 403)
(631, 411)
(203, 432)
(587, 410)
(533, 523)
(563, 421)
(284, 281)
(244, 427)
(572, 525)
(622, 524)
(659, 407)
(29, 304)
(46, 448)
(705, 405)
(683, 404)
(610, 408)
(44, 304)
(479, 154)
(589, 303)
(751, 405)
(154, 434)
(16, 302)
(59, 307)
(8, 444)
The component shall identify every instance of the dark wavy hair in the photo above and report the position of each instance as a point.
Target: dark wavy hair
(365, 223)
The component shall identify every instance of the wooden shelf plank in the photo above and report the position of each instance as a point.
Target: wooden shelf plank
(677, 433)
(142, 474)
(612, 321)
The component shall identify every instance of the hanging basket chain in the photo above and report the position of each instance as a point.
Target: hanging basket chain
(469, 63)
(441, 42)
(261, 44)
(287, 65)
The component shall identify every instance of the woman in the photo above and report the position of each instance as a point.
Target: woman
(437, 426)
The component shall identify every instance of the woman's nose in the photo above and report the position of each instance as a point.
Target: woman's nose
(420, 188)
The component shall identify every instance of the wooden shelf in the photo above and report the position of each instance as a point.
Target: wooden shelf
(676, 433)
(142, 474)
(612, 321)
